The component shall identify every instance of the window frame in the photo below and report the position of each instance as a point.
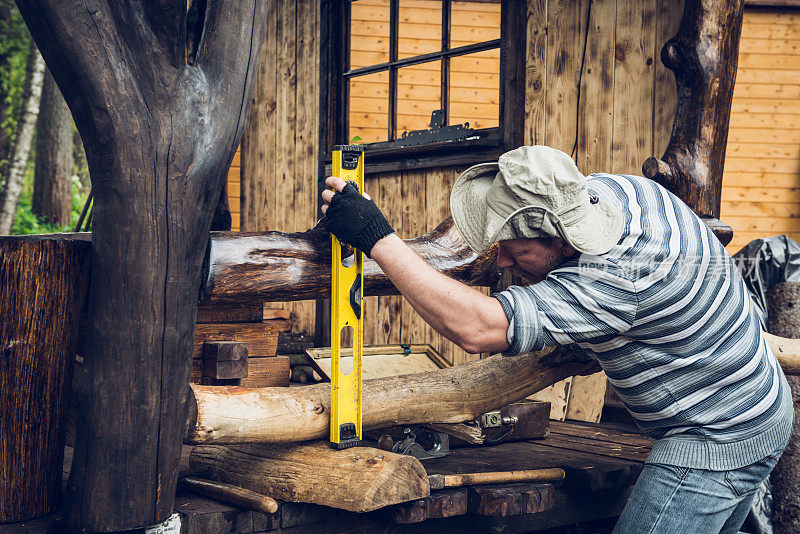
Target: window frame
(386, 156)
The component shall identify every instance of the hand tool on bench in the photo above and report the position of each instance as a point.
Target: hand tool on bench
(346, 313)
(553, 474)
(243, 498)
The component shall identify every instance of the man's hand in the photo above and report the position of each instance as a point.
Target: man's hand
(354, 219)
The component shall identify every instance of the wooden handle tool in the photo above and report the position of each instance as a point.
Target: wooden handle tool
(497, 477)
(243, 498)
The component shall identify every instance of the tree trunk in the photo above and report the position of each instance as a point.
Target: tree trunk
(160, 97)
(52, 177)
(220, 414)
(273, 266)
(360, 479)
(42, 288)
(5, 36)
(784, 320)
(23, 137)
(703, 55)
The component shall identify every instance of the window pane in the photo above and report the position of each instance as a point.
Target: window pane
(420, 27)
(369, 108)
(474, 22)
(419, 90)
(369, 32)
(475, 89)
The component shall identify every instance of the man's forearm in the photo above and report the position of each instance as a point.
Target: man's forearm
(462, 314)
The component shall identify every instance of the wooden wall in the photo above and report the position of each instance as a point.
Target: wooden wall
(611, 111)
(279, 148)
(761, 184)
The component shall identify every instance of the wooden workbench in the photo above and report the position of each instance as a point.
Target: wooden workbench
(601, 465)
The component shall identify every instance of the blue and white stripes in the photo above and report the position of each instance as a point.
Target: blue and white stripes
(669, 319)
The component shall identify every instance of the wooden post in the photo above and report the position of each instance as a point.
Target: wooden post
(42, 289)
(784, 320)
(160, 97)
(703, 55)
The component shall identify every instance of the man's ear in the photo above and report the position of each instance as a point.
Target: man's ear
(566, 248)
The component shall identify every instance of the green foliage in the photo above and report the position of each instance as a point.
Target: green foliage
(28, 223)
(14, 42)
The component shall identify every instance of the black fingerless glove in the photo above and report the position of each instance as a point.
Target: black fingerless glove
(356, 221)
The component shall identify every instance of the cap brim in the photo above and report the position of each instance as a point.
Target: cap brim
(469, 206)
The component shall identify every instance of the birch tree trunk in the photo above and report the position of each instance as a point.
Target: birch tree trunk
(31, 95)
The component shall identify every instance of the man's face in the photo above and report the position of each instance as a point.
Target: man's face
(532, 259)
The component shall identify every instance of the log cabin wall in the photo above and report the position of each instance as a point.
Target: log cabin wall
(761, 184)
(595, 88)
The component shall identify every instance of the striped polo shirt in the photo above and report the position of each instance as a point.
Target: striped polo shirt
(669, 319)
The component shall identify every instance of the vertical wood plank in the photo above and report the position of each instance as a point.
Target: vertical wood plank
(258, 143)
(564, 52)
(412, 192)
(586, 397)
(536, 73)
(633, 87)
(305, 176)
(282, 218)
(596, 120)
(665, 98)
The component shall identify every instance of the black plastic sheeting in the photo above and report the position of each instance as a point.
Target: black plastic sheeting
(764, 263)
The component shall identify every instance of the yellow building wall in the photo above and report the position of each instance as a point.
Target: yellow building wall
(761, 184)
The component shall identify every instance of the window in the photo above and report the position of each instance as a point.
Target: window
(424, 82)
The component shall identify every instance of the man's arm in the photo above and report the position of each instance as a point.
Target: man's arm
(474, 321)
(462, 314)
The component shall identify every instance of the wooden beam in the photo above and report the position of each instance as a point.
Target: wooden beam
(220, 414)
(273, 266)
(359, 479)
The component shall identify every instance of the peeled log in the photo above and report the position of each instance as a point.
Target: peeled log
(360, 479)
(274, 266)
(228, 414)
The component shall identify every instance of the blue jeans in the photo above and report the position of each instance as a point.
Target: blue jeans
(679, 500)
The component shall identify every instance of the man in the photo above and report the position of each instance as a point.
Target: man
(624, 269)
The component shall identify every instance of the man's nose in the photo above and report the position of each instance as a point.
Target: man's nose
(504, 259)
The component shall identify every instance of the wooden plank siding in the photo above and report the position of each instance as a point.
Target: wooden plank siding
(761, 184)
(595, 88)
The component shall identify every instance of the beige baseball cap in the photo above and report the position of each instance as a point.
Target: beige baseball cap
(532, 191)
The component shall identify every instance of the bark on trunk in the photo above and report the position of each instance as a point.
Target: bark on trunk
(703, 55)
(273, 266)
(160, 98)
(784, 320)
(23, 137)
(42, 288)
(360, 479)
(52, 177)
(220, 414)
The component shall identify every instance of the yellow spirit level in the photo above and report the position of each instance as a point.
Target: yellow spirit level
(346, 314)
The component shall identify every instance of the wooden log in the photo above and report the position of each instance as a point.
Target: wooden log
(783, 307)
(359, 479)
(160, 96)
(273, 266)
(272, 415)
(42, 289)
(786, 350)
(703, 55)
